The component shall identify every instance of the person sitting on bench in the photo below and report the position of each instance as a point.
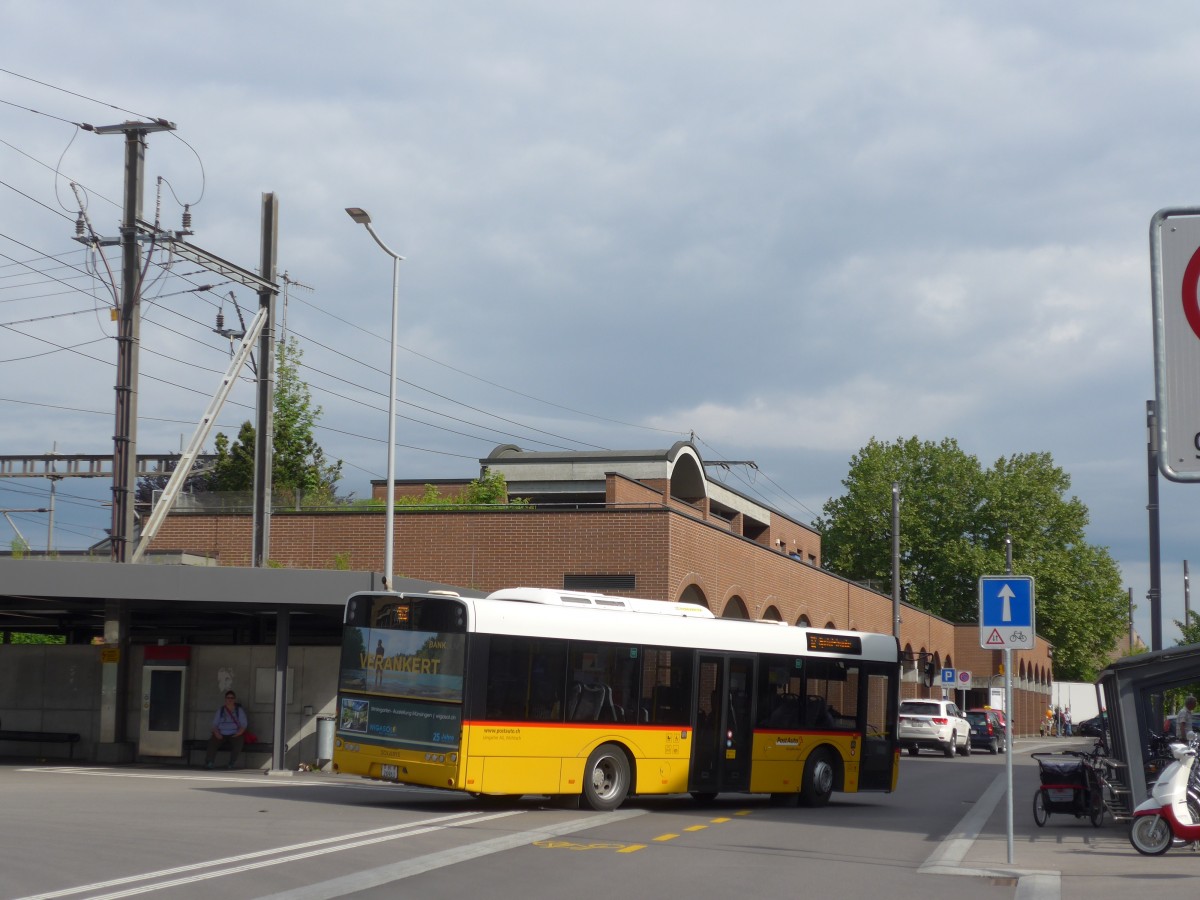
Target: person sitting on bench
(228, 729)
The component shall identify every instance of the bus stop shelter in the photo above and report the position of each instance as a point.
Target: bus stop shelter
(116, 605)
(1133, 691)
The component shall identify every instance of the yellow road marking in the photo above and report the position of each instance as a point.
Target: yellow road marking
(631, 848)
(594, 845)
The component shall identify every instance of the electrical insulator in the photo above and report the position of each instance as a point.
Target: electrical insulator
(187, 217)
(79, 225)
(220, 321)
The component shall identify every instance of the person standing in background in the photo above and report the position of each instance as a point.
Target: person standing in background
(1186, 718)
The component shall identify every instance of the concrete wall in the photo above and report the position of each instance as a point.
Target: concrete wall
(57, 688)
(49, 688)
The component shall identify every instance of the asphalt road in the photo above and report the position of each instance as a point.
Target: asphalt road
(172, 833)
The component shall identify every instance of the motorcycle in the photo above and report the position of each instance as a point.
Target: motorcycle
(1171, 815)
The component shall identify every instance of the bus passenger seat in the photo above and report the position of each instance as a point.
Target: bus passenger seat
(587, 702)
(816, 713)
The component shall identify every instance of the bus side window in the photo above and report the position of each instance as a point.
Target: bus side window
(785, 712)
(816, 713)
(668, 706)
(525, 679)
(780, 684)
(503, 699)
(666, 686)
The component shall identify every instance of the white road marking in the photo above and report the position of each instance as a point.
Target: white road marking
(234, 779)
(259, 859)
(360, 881)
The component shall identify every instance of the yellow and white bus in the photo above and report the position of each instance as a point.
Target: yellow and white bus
(537, 691)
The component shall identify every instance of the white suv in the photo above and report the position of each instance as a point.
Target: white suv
(934, 724)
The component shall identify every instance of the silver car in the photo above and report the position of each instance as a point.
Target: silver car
(934, 725)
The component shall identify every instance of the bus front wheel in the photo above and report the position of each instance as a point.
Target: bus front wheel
(606, 777)
(819, 775)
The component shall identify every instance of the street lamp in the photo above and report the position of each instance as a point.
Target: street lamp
(363, 218)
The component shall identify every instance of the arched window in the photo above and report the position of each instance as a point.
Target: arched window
(735, 609)
(693, 594)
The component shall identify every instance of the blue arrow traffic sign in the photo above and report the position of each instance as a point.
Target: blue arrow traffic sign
(1006, 613)
(1007, 601)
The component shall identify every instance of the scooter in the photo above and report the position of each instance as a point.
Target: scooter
(1171, 814)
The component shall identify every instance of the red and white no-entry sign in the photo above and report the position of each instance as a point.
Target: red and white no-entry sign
(1175, 289)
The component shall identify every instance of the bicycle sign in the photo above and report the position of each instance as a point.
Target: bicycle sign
(1006, 612)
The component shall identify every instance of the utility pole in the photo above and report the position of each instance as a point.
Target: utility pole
(264, 440)
(288, 282)
(896, 560)
(54, 479)
(1130, 620)
(1187, 595)
(128, 333)
(1154, 595)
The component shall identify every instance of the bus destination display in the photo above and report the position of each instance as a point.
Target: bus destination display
(846, 644)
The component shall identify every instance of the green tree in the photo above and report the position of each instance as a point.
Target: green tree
(20, 637)
(954, 517)
(489, 489)
(1189, 631)
(299, 462)
(233, 469)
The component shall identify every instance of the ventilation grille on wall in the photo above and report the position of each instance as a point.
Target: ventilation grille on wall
(600, 583)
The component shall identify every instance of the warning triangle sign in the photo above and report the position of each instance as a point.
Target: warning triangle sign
(994, 639)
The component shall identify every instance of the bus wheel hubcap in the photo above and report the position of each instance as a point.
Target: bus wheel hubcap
(823, 777)
(604, 777)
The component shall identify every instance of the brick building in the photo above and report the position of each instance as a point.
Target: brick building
(636, 523)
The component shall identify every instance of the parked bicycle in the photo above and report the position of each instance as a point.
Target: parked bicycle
(1158, 756)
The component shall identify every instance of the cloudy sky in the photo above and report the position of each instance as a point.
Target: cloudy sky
(785, 227)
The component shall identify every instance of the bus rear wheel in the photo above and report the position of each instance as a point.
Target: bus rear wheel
(606, 777)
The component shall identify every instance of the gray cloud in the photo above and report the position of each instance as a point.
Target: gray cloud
(787, 228)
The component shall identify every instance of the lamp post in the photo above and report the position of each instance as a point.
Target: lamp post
(363, 218)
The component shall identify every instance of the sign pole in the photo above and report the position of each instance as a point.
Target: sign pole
(1007, 621)
(1008, 746)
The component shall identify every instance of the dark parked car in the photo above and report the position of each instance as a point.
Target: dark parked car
(986, 731)
(1096, 726)
(999, 713)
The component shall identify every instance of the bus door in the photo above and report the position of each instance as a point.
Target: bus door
(724, 724)
(878, 716)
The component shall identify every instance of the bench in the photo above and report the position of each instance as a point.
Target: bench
(191, 745)
(43, 737)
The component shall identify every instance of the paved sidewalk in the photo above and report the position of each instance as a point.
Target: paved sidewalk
(1068, 857)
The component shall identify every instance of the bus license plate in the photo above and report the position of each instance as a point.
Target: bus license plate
(390, 773)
